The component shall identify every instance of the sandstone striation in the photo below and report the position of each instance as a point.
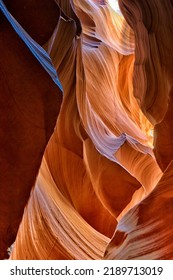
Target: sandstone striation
(100, 174)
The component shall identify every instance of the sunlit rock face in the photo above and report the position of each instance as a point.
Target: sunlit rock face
(104, 189)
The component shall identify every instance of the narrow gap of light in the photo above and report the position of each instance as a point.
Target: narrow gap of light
(114, 5)
(151, 132)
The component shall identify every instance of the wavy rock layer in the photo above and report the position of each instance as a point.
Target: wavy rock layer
(151, 22)
(103, 170)
(145, 232)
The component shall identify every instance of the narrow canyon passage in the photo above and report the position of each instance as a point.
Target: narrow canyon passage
(102, 185)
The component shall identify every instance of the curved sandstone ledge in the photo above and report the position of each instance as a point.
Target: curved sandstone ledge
(145, 232)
